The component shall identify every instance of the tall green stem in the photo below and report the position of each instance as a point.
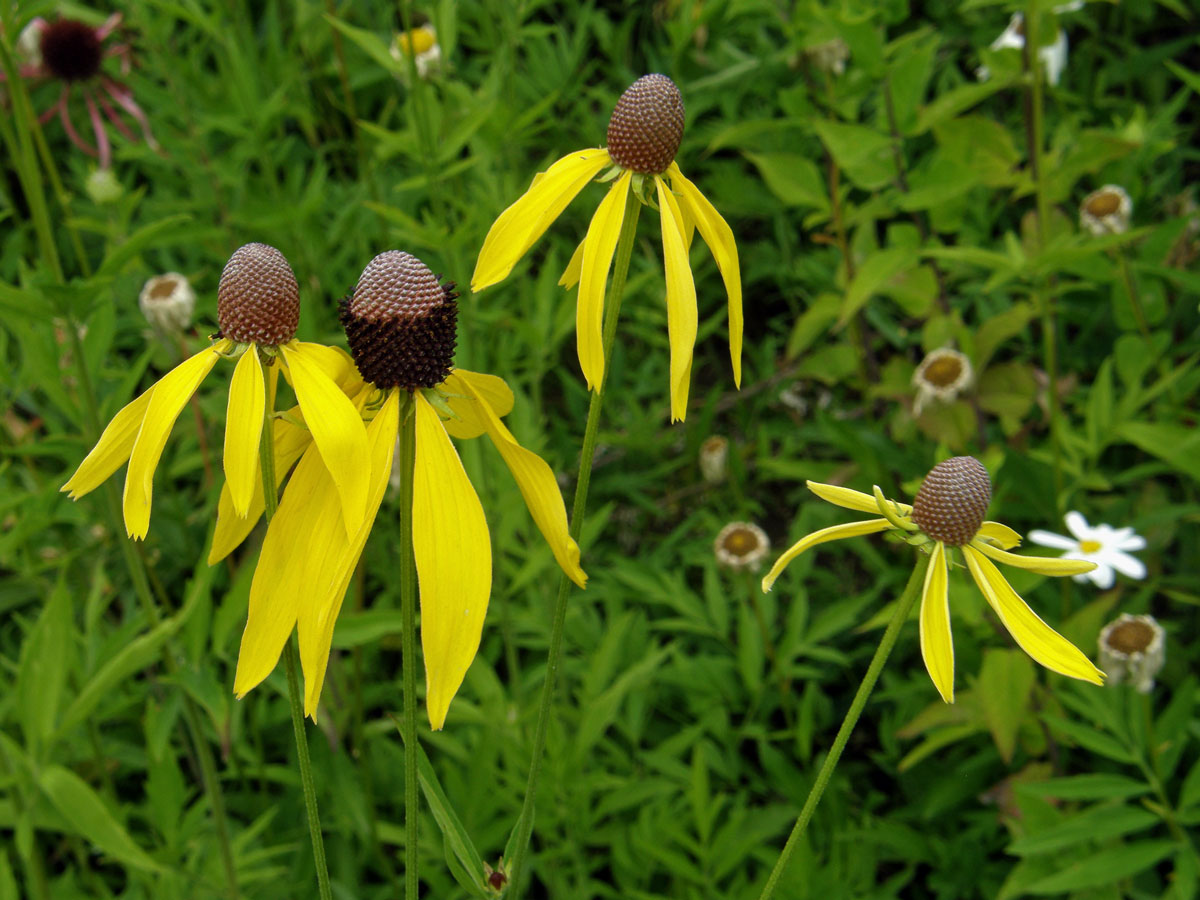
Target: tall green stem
(899, 617)
(266, 455)
(408, 607)
(578, 508)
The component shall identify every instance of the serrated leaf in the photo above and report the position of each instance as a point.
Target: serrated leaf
(863, 153)
(876, 271)
(1085, 787)
(43, 668)
(1090, 738)
(1103, 868)
(793, 178)
(1097, 823)
(1177, 445)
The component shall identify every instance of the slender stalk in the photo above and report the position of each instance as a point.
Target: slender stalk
(1135, 299)
(408, 607)
(899, 617)
(578, 508)
(266, 456)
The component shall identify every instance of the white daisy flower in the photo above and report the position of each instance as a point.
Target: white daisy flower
(1053, 56)
(1104, 545)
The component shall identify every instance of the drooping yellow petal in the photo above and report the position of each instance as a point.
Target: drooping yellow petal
(1034, 636)
(536, 481)
(681, 300)
(1041, 564)
(833, 533)
(493, 389)
(999, 534)
(454, 562)
(290, 442)
(167, 400)
(851, 499)
(937, 649)
(598, 248)
(719, 237)
(570, 275)
(337, 429)
(243, 430)
(519, 226)
(317, 620)
(112, 450)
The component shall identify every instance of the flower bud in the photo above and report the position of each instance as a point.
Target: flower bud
(168, 301)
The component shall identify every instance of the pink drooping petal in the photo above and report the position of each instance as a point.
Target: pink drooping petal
(113, 116)
(49, 113)
(124, 98)
(65, 116)
(124, 52)
(98, 130)
(109, 26)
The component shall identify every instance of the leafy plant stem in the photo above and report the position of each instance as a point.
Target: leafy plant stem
(1135, 300)
(899, 617)
(408, 607)
(266, 455)
(524, 828)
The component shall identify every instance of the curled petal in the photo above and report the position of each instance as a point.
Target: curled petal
(519, 226)
(491, 388)
(1000, 535)
(850, 499)
(681, 300)
(1039, 564)
(167, 400)
(1035, 637)
(453, 552)
(833, 533)
(937, 648)
(598, 249)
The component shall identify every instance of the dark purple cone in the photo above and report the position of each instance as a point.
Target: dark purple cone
(953, 500)
(647, 125)
(71, 50)
(401, 323)
(258, 300)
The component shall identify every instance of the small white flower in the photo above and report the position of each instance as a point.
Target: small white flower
(942, 375)
(423, 42)
(1104, 545)
(830, 56)
(1133, 649)
(29, 42)
(1106, 211)
(168, 301)
(714, 458)
(1053, 56)
(742, 546)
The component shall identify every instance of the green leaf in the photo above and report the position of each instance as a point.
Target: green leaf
(367, 627)
(909, 75)
(1091, 739)
(1104, 868)
(993, 332)
(43, 668)
(864, 153)
(1098, 823)
(8, 883)
(145, 237)
(951, 103)
(1177, 445)
(793, 178)
(1005, 680)
(880, 267)
(371, 44)
(454, 833)
(1085, 787)
(1100, 408)
(87, 815)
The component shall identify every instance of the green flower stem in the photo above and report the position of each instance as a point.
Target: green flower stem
(903, 607)
(1135, 299)
(578, 508)
(408, 607)
(266, 455)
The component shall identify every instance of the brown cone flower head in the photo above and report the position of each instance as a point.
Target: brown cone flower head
(401, 323)
(258, 300)
(71, 50)
(647, 125)
(953, 500)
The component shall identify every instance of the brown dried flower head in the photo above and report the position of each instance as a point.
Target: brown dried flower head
(71, 50)
(401, 323)
(953, 500)
(647, 125)
(258, 300)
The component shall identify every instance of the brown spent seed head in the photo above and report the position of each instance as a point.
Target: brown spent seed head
(258, 300)
(71, 50)
(1103, 203)
(401, 323)
(943, 371)
(952, 501)
(1130, 636)
(646, 125)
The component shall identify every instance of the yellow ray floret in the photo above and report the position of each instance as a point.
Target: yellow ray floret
(833, 533)
(681, 300)
(937, 648)
(598, 248)
(243, 430)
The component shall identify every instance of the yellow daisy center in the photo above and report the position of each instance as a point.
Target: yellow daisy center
(1090, 546)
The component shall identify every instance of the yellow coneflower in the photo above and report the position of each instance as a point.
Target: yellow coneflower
(643, 137)
(947, 515)
(258, 310)
(400, 323)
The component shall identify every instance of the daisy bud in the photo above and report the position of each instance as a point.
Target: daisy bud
(29, 42)
(646, 125)
(741, 546)
(103, 187)
(167, 301)
(1133, 649)
(714, 458)
(1106, 211)
(71, 50)
(258, 300)
(942, 375)
(952, 501)
(400, 323)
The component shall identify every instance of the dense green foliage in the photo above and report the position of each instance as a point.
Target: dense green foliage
(880, 212)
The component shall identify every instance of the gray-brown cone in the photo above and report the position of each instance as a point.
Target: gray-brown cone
(953, 500)
(647, 125)
(401, 323)
(258, 300)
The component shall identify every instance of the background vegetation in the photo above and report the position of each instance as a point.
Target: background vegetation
(881, 212)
